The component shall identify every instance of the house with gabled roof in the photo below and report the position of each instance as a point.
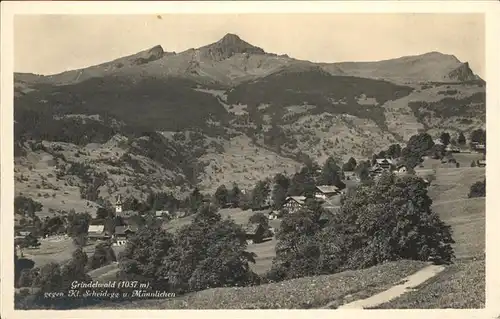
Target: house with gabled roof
(325, 191)
(254, 233)
(294, 203)
(96, 232)
(384, 163)
(124, 232)
(401, 169)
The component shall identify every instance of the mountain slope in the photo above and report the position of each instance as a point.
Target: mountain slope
(222, 113)
(428, 67)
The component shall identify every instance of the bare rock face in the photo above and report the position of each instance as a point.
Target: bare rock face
(462, 74)
(228, 46)
(150, 55)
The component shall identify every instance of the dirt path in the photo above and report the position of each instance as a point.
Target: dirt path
(396, 291)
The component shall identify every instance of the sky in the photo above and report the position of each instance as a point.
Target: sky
(49, 44)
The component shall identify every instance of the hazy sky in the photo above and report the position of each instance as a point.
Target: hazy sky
(47, 44)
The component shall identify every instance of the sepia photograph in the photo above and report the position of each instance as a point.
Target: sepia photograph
(248, 161)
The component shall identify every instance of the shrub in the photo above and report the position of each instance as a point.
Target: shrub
(209, 252)
(478, 189)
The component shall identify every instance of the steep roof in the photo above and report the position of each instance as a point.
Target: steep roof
(299, 199)
(252, 229)
(160, 213)
(328, 189)
(96, 228)
(384, 160)
(121, 230)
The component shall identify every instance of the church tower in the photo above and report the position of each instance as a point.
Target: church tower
(118, 205)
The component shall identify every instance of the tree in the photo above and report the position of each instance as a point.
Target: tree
(209, 252)
(260, 194)
(303, 183)
(394, 151)
(478, 189)
(26, 206)
(30, 241)
(461, 139)
(78, 227)
(280, 190)
(221, 196)
(78, 223)
(144, 254)
(103, 213)
(297, 251)
(103, 255)
(445, 138)
(52, 225)
(26, 278)
(330, 173)
(420, 143)
(50, 278)
(234, 196)
(350, 165)
(195, 200)
(260, 219)
(411, 230)
(363, 170)
(478, 136)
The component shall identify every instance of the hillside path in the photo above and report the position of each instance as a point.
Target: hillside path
(407, 285)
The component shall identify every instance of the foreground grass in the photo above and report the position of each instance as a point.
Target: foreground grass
(460, 286)
(467, 219)
(301, 293)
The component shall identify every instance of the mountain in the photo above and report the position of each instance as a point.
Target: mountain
(222, 113)
(428, 67)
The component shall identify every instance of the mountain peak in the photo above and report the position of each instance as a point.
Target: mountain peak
(228, 46)
(230, 38)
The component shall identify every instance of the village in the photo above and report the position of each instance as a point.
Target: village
(328, 196)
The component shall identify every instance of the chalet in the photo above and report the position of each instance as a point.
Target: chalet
(481, 163)
(325, 191)
(254, 233)
(401, 169)
(96, 232)
(273, 215)
(376, 171)
(162, 213)
(124, 232)
(480, 148)
(294, 203)
(384, 163)
(19, 240)
(25, 233)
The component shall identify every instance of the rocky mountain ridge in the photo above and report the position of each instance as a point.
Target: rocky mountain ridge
(225, 112)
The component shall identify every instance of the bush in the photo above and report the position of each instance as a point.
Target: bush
(209, 252)
(478, 189)
(103, 255)
(388, 220)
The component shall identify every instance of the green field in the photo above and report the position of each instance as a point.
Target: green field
(58, 252)
(467, 219)
(454, 183)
